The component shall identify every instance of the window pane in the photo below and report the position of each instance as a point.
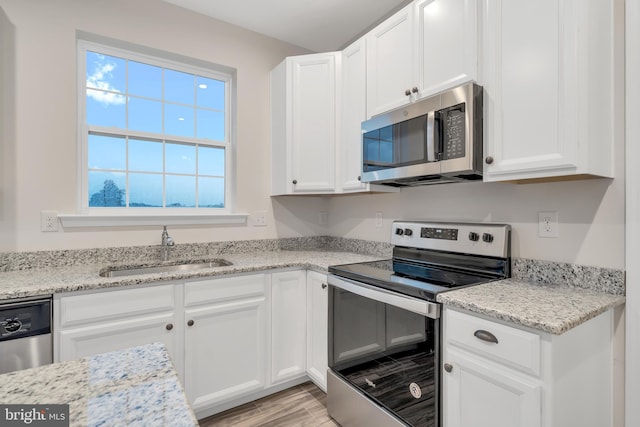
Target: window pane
(181, 191)
(179, 87)
(144, 115)
(178, 120)
(145, 156)
(145, 80)
(107, 152)
(145, 190)
(180, 158)
(210, 192)
(210, 125)
(106, 109)
(106, 72)
(210, 161)
(106, 189)
(210, 93)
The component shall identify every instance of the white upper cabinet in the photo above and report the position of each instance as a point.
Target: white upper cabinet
(447, 44)
(425, 48)
(304, 97)
(354, 112)
(547, 72)
(390, 63)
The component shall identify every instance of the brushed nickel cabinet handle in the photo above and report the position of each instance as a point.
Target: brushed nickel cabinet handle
(190, 322)
(414, 89)
(488, 160)
(448, 367)
(169, 326)
(407, 92)
(487, 336)
(324, 286)
(295, 181)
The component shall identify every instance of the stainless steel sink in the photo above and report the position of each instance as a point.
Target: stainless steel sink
(164, 268)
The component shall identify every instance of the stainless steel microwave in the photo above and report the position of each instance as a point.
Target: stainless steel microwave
(432, 141)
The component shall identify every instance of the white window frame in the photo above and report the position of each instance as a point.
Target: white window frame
(127, 216)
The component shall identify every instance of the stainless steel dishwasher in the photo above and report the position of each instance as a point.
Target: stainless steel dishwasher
(25, 334)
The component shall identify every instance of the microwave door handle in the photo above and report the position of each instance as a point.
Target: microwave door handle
(431, 136)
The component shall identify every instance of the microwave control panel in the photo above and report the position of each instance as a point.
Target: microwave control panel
(452, 120)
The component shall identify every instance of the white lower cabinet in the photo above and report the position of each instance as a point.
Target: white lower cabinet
(225, 338)
(288, 325)
(232, 339)
(497, 375)
(99, 322)
(317, 328)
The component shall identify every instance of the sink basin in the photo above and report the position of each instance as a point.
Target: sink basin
(164, 268)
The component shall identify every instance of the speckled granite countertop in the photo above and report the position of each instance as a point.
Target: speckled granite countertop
(545, 295)
(45, 281)
(133, 387)
(548, 308)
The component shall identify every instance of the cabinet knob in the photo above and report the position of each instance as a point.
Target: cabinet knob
(324, 286)
(359, 178)
(414, 89)
(295, 181)
(190, 322)
(488, 160)
(169, 326)
(407, 92)
(448, 367)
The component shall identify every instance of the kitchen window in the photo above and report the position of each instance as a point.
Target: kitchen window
(154, 132)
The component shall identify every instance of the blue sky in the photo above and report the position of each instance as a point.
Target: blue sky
(185, 106)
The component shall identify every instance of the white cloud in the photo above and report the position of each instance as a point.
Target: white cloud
(98, 80)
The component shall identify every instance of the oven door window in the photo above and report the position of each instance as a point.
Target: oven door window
(389, 354)
(401, 144)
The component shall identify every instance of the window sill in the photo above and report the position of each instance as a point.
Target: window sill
(79, 221)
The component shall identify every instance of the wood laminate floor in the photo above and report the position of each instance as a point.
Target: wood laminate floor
(303, 405)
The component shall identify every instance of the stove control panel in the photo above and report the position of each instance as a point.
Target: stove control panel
(472, 238)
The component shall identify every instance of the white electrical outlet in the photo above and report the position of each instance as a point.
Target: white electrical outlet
(548, 224)
(322, 218)
(48, 221)
(378, 219)
(259, 219)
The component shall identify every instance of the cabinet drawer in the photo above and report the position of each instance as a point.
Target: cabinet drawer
(223, 289)
(514, 347)
(108, 305)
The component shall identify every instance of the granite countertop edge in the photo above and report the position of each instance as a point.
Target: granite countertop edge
(554, 309)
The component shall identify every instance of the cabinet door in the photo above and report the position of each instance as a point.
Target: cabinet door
(117, 335)
(480, 394)
(530, 75)
(390, 63)
(288, 325)
(354, 112)
(225, 347)
(317, 328)
(313, 121)
(446, 44)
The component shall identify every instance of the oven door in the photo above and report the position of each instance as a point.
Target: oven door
(383, 346)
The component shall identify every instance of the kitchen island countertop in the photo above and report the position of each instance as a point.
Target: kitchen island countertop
(137, 386)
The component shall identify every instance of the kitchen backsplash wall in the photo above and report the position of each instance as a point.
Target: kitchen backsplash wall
(590, 215)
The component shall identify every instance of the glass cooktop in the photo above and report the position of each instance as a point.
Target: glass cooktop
(416, 280)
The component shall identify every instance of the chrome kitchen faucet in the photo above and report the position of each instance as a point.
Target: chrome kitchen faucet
(167, 242)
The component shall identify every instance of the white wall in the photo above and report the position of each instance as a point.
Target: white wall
(39, 113)
(590, 214)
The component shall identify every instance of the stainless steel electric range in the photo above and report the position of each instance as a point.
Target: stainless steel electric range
(384, 321)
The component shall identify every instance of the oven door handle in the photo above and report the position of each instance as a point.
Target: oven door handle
(415, 305)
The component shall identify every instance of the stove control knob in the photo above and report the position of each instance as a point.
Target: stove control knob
(473, 236)
(486, 237)
(399, 231)
(408, 232)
